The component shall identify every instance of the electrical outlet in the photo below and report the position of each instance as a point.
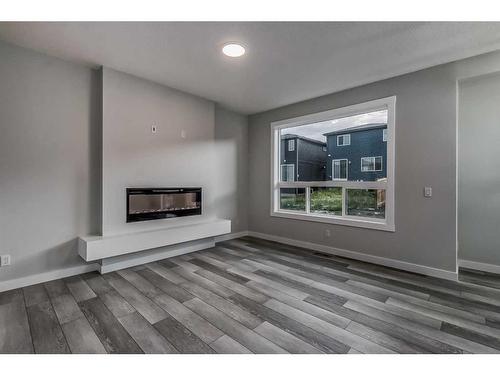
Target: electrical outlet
(427, 192)
(5, 260)
(153, 129)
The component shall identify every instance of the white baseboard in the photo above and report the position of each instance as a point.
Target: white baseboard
(411, 267)
(485, 267)
(46, 276)
(231, 236)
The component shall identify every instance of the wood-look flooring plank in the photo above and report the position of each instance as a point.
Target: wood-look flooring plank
(181, 337)
(316, 339)
(228, 275)
(145, 306)
(385, 340)
(15, 335)
(226, 345)
(443, 309)
(294, 264)
(237, 313)
(232, 263)
(166, 286)
(46, 332)
(263, 280)
(145, 335)
(79, 288)
(459, 343)
(14, 295)
(212, 261)
(35, 294)
(233, 250)
(308, 308)
(167, 263)
(97, 283)
(192, 321)
(285, 340)
(143, 285)
(184, 265)
(109, 330)
(81, 337)
(488, 340)
(235, 287)
(66, 308)
(116, 303)
(166, 273)
(232, 328)
(205, 283)
(56, 288)
(452, 319)
(466, 305)
(328, 329)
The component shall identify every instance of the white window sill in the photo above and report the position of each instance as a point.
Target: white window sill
(367, 223)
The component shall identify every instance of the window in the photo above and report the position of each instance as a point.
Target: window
(344, 140)
(339, 169)
(344, 194)
(287, 172)
(371, 164)
(291, 145)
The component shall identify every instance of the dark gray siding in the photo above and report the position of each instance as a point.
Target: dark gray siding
(310, 156)
(364, 143)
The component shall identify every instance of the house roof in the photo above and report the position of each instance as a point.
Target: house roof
(293, 136)
(377, 125)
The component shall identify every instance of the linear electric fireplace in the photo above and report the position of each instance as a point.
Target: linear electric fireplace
(162, 203)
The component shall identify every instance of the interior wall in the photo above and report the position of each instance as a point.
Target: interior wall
(51, 126)
(182, 152)
(231, 135)
(425, 156)
(479, 166)
(48, 161)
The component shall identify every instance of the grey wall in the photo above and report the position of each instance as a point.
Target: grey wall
(231, 135)
(48, 166)
(479, 169)
(135, 157)
(425, 156)
(51, 155)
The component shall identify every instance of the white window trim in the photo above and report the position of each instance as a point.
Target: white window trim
(374, 163)
(344, 137)
(384, 135)
(386, 224)
(346, 172)
(291, 142)
(287, 165)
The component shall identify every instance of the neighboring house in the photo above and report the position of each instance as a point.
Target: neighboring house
(358, 153)
(302, 159)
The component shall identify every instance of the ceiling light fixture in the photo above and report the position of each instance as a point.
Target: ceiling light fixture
(233, 50)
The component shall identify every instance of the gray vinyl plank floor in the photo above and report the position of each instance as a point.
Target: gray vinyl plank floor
(254, 296)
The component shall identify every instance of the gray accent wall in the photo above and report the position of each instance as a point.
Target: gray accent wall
(231, 137)
(479, 170)
(49, 167)
(425, 156)
(53, 116)
(182, 152)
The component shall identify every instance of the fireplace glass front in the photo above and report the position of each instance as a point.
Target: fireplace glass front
(162, 203)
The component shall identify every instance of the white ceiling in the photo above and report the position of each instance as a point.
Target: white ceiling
(285, 62)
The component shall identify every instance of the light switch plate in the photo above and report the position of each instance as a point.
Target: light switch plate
(5, 260)
(427, 192)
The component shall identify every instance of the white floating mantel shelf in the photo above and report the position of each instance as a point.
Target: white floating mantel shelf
(93, 248)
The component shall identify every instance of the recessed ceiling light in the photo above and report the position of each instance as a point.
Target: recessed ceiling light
(233, 50)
